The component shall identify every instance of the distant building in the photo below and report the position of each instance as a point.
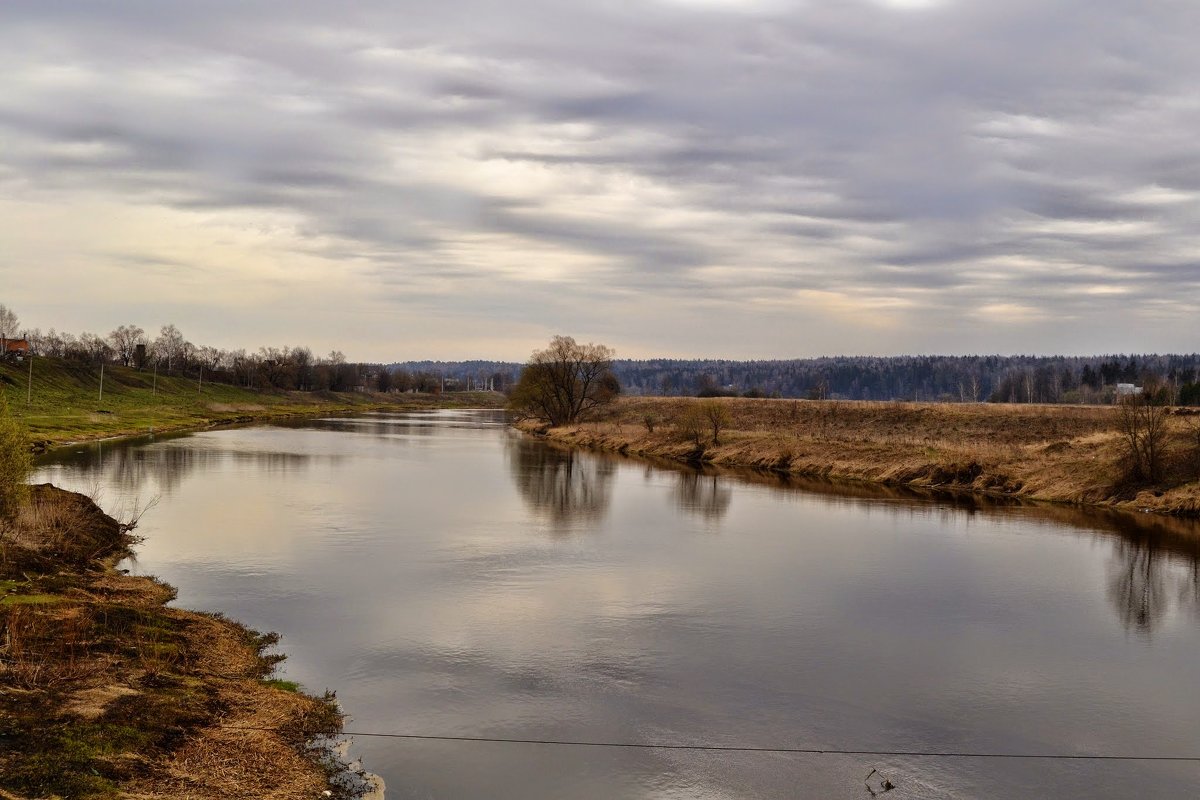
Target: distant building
(1127, 390)
(14, 348)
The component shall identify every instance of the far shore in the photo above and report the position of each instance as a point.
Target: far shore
(1054, 453)
(61, 402)
(227, 416)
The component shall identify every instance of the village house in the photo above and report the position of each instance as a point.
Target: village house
(14, 348)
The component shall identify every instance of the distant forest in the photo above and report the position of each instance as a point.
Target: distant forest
(1001, 379)
(967, 379)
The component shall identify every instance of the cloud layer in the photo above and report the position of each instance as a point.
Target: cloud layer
(693, 177)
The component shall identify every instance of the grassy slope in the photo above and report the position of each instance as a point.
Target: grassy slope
(1059, 453)
(67, 406)
(105, 691)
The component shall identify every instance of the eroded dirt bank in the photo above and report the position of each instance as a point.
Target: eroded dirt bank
(106, 691)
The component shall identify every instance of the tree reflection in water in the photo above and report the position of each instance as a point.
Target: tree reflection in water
(564, 486)
(1153, 569)
(702, 494)
(1137, 584)
(147, 466)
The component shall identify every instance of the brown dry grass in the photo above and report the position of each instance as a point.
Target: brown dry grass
(1048, 452)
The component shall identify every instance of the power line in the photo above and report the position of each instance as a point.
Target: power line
(751, 749)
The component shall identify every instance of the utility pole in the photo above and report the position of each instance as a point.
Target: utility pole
(154, 391)
(29, 394)
(101, 399)
(200, 385)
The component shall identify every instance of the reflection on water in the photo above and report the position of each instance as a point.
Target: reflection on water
(1138, 585)
(406, 560)
(1153, 570)
(566, 487)
(702, 493)
(163, 463)
(573, 488)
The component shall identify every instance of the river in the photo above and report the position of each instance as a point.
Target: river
(449, 577)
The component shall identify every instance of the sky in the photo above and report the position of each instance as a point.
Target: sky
(694, 178)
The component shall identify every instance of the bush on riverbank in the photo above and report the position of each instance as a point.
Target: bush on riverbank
(15, 462)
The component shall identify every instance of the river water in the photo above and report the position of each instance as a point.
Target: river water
(448, 577)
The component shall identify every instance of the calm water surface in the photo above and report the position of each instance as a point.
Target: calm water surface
(449, 577)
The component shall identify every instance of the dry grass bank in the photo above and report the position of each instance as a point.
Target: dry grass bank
(105, 691)
(1067, 454)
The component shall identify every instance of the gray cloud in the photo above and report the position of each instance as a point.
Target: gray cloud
(684, 174)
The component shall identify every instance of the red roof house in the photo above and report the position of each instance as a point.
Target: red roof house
(14, 347)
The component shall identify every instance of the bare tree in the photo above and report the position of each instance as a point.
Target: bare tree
(124, 341)
(93, 348)
(1191, 453)
(565, 382)
(303, 360)
(37, 341)
(341, 377)
(170, 346)
(56, 344)
(9, 324)
(717, 415)
(244, 366)
(1142, 424)
(211, 358)
(691, 425)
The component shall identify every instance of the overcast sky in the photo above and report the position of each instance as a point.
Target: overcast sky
(717, 178)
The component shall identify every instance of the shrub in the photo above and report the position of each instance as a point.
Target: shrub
(701, 418)
(1192, 452)
(691, 424)
(15, 461)
(716, 416)
(1142, 425)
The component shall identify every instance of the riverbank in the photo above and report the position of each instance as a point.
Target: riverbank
(63, 402)
(107, 691)
(1065, 454)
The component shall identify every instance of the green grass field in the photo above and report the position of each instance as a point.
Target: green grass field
(64, 402)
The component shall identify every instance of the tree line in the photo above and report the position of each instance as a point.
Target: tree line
(994, 378)
(171, 353)
(1006, 379)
